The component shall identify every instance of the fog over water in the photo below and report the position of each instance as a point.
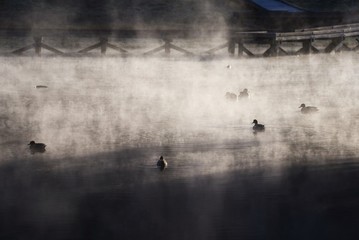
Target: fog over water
(106, 121)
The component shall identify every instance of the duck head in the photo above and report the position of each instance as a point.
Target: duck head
(255, 121)
(302, 105)
(31, 143)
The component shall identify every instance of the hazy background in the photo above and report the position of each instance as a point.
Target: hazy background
(110, 13)
(97, 104)
(128, 14)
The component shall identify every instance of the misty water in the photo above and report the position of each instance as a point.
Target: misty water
(107, 120)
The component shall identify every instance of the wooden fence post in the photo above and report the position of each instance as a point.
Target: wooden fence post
(240, 48)
(273, 50)
(37, 45)
(307, 46)
(104, 42)
(167, 45)
(231, 46)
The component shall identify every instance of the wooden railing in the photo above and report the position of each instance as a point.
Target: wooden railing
(336, 38)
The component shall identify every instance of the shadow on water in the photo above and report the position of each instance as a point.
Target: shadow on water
(89, 198)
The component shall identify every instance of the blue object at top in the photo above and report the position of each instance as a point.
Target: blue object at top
(276, 5)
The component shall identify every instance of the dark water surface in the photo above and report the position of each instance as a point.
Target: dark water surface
(298, 201)
(106, 121)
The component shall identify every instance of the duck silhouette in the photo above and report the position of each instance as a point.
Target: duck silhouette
(258, 127)
(37, 147)
(231, 96)
(162, 163)
(244, 94)
(308, 109)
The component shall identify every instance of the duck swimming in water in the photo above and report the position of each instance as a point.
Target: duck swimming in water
(258, 127)
(244, 94)
(37, 147)
(162, 163)
(231, 96)
(308, 109)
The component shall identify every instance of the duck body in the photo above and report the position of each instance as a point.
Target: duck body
(308, 109)
(258, 127)
(244, 94)
(231, 96)
(37, 147)
(162, 163)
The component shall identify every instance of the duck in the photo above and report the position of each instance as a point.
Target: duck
(231, 96)
(308, 109)
(258, 127)
(162, 163)
(244, 94)
(37, 147)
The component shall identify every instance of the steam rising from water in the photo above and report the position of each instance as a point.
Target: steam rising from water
(177, 108)
(107, 120)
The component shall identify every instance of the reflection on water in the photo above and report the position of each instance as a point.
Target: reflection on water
(106, 122)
